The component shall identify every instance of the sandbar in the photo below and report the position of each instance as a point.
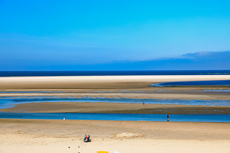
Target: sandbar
(127, 108)
(98, 82)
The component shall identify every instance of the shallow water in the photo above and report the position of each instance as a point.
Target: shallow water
(193, 83)
(217, 90)
(117, 117)
(31, 92)
(8, 102)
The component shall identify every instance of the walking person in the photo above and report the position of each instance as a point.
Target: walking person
(143, 103)
(168, 118)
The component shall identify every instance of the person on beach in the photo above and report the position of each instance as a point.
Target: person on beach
(87, 138)
(143, 103)
(168, 118)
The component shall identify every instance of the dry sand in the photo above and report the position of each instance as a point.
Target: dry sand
(67, 136)
(97, 82)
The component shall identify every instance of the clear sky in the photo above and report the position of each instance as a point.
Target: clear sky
(95, 34)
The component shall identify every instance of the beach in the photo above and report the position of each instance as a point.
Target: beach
(33, 135)
(122, 136)
(134, 76)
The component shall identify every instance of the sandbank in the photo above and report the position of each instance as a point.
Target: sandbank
(115, 87)
(97, 82)
(187, 95)
(102, 107)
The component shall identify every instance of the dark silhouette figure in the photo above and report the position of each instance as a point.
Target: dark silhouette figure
(168, 118)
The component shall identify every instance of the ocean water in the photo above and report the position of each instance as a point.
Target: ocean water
(105, 73)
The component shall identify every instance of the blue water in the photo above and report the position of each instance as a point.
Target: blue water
(193, 83)
(31, 92)
(117, 117)
(217, 90)
(7, 102)
(103, 73)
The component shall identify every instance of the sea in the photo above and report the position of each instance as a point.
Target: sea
(6, 102)
(108, 73)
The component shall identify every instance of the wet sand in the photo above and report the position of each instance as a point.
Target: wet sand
(115, 87)
(175, 94)
(137, 87)
(101, 107)
(123, 136)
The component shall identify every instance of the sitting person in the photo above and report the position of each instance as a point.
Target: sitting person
(87, 138)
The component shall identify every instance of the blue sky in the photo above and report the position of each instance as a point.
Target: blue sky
(104, 35)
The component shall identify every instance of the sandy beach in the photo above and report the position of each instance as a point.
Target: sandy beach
(21, 135)
(125, 137)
